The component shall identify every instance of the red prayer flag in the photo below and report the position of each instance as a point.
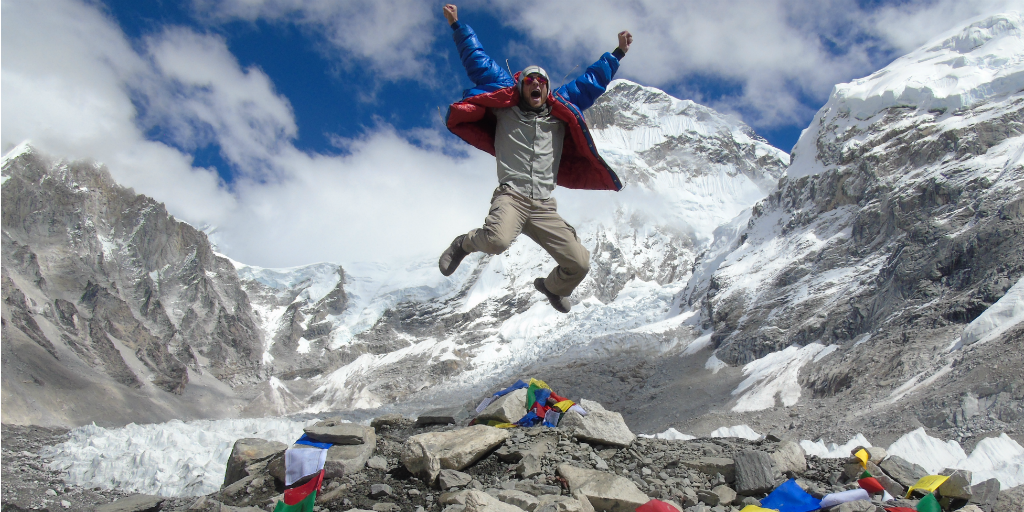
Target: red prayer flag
(296, 494)
(871, 485)
(656, 506)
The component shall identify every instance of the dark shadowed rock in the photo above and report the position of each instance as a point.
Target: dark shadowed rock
(755, 473)
(985, 494)
(246, 452)
(449, 478)
(905, 472)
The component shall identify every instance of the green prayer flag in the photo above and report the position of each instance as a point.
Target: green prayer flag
(306, 505)
(866, 474)
(929, 504)
(531, 395)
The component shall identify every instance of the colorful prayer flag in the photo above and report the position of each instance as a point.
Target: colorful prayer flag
(754, 508)
(306, 505)
(564, 405)
(301, 462)
(309, 441)
(296, 494)
(790, 497)
(836, 498)
(871, 485)
(863, 456)
(929, 504)
(927, 483)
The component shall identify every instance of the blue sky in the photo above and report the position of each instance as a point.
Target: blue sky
(270, 118)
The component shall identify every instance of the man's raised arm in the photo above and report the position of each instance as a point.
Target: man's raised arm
(451, 13)
(481, 68)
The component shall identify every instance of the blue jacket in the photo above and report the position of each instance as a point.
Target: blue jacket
(581, 166)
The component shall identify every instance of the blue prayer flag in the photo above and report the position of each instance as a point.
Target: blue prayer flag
(789, 497)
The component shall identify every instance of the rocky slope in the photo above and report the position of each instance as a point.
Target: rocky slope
(113, 311)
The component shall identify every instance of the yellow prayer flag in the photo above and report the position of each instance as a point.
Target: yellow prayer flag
(862, 454)
(539, 383)
(755, 508)
(927, 483)
(564, 405)
(505, 425)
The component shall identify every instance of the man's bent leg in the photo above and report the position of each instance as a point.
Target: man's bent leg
(559, 239)
(502, 225)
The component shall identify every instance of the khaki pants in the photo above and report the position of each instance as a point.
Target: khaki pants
(511, 214)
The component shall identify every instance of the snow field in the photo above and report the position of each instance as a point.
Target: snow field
(165, 459)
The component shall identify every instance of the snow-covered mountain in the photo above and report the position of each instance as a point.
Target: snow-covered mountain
(113, 311)
(409, 332)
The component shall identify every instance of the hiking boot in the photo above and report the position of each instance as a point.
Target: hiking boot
(561, 304)
(452, 256)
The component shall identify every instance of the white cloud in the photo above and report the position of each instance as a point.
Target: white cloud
(390, 36)
(65, 75)
(778, 53)
(69, 76)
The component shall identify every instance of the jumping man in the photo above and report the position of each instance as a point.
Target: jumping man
(539, 139)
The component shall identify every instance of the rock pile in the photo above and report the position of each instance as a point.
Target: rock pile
(411, 466)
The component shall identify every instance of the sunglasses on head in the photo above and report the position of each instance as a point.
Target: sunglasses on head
(535, 78)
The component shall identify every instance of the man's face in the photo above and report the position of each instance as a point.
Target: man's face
(535, 90)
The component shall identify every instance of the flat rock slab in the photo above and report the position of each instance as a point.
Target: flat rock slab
(755, 473)
(599, 426)
(506, 409)
(348, 459)
(336, 431)
(905, 472)
(449, 478)
(134, 503)
(477, 501)
(519, 499)
(605, 491)
(551, 503)
(246, 452)
(425, 455)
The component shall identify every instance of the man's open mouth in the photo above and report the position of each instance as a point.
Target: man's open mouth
(535, 94)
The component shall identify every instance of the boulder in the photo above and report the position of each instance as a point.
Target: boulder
(351, 458)
(377, 462)
(985, 494)
(605, 491)
(708, 498)
(378, 491)
(425, 455)
(387, 420)
(523, 500)
(337, 431)
(755, 473)
(552, 503)
(790, 458)
(536, 489)
(599, 426)
(903, 471)
(714, 465)
(246, 452)
(876, 454)
(956, 487)
(449, 478)
(133, 503)
(528, 466)
(726, 495)
(506, 409)
(476, 501)
(891, 486)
